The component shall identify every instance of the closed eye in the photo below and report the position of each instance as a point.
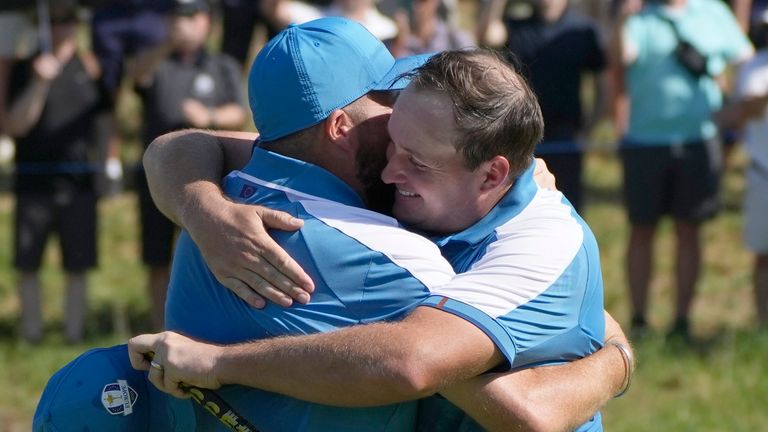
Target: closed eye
(417, 164)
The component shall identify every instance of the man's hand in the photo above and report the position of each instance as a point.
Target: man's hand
(542, 176)
(46, 67)
(234, 242)
(172, 359)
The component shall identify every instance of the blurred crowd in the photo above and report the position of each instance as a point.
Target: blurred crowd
(678, 94)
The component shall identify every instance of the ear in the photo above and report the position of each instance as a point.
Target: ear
(495, 173)
(338, 126)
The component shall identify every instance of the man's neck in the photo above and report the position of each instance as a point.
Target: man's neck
(321, 156)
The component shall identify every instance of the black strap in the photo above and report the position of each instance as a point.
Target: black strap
(693, 60)
(672, 23)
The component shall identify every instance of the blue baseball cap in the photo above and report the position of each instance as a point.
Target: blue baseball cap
(100, 391)
(310, 70)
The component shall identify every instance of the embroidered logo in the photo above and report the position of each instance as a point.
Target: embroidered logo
(118, 398)
(247, 191)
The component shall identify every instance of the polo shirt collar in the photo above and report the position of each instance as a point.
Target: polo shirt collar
(512, 203)
(301, 176)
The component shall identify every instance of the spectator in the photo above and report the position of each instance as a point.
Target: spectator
(55, 104)
(556, 46)
(286, 12)
(181, 85)
(366, 13)
(119, 30)
(423, 30)
(239, 18)
(670, 150)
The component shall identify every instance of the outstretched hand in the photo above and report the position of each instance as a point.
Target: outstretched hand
(237, 248)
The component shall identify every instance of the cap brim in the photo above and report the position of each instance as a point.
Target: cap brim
(394, 79)
(74, 398)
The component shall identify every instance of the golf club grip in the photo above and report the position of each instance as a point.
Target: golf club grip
(218, 407)
(215, 405)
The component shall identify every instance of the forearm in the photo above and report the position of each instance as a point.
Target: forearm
(183, 171)
(556, 398)
(26, 111)
(364, 365)
(323, 368)
(229, 116)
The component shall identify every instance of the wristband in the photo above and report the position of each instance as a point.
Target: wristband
(626, 356)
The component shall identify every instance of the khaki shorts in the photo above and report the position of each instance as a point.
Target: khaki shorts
(756, 210)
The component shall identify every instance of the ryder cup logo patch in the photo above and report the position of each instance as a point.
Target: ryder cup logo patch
(247, 191)
(118, 398)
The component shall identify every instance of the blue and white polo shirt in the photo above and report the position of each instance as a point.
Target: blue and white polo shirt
(528, 275)
(365, 268)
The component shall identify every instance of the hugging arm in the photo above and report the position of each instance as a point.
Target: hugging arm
(391, 362)
(184, 170)
(548, 398)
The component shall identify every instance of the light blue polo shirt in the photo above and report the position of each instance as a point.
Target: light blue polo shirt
(365, 268)
(667, 104)
(528, 275)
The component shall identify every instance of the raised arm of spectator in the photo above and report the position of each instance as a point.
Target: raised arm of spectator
(183, 171)
(25, 111)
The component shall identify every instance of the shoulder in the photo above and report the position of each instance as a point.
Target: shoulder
(548, 217)
(371, 228)
(382, 236)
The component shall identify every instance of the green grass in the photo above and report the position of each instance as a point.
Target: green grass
(718, 384)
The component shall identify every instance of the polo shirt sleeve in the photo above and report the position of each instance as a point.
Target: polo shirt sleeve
(526, 260)
(735, 44)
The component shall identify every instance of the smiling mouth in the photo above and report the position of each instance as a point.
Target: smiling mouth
(406, 193)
